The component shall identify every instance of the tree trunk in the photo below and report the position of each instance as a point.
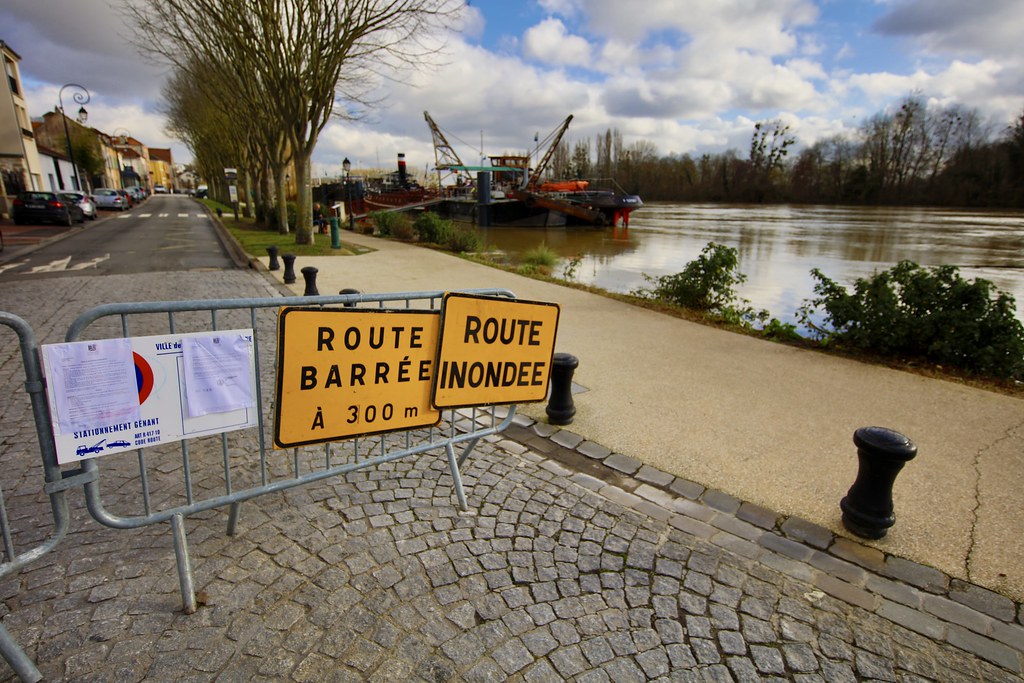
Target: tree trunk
(304, 213)
(282, 203)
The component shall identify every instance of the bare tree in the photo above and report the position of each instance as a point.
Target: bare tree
(295, 59)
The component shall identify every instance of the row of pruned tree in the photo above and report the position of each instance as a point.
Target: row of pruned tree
(913, 154)
(254, 82)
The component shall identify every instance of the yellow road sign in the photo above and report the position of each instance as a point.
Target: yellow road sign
(343, 373)
(493, 351)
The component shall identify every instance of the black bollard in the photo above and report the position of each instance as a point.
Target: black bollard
(881, 454)
(274, 263)
(289, 268)
(349, 290)
(309, 275)
(560, 408)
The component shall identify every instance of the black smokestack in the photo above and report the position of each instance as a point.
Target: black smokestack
(403, 178)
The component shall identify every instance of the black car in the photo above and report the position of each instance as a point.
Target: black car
(45, 207)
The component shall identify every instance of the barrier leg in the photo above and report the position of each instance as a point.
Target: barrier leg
(188, 591)
(16, 657)
(468, 449)
(453, 465)
(233, 513)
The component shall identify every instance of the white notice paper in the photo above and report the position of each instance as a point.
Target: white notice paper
(217, 372)
(93, 382)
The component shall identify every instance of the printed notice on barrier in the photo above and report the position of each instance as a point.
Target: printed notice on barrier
(217, 374)
(89, 384)
(343, 373)
(493, 351)
(92, 381)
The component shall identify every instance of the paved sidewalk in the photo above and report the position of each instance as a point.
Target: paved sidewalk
(576, 563)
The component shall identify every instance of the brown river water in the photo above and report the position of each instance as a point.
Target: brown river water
(779, 245)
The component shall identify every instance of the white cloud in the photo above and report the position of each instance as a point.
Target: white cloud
(550, 42)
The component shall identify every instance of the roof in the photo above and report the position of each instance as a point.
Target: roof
(515, 169)
(161, 154)
(5, 46)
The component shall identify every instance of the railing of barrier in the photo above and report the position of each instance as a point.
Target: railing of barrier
(14, 557)
(193, 475)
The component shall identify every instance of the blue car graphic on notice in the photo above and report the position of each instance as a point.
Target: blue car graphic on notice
(118, 444)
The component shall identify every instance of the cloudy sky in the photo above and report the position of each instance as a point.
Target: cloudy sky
(689, 76)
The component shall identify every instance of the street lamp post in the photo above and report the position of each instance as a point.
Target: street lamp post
(82, 97)
(346, 166)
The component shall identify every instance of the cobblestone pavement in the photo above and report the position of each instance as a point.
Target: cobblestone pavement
(573, 563)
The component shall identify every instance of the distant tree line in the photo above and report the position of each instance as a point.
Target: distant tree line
(914, 154)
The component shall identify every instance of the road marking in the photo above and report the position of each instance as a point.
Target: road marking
(53, 266)
(12, 266)
(90, 264)
(182, 215)
(145, 215)
(164, 215)
(125, 215)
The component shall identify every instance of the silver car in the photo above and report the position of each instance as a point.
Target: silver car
(84, 201)
(107, 198)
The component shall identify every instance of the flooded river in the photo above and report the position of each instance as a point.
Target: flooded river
(779, 245)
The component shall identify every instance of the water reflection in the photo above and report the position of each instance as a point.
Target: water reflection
(779, 245)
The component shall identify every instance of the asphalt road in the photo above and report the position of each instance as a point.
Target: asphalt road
(165, 233)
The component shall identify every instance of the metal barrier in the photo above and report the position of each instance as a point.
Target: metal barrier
(232, 458)
(55, 486)
(223, 470)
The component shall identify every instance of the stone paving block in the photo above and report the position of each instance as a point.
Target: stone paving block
(593, 450)
(986, 648)
(654, 476)
(925, 624)
(982, 600)
(806, 532)
(757, 515)
(623, 463)
(931, 580)
(851, 551)
(686, 488)
(567, 439)
(694, 509)
(720, 500)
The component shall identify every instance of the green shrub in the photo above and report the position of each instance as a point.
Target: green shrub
(705, 284)
(925, 313)
(389, 223)
(463, 238)
(429, 227)
(571, 267)
(542, 256)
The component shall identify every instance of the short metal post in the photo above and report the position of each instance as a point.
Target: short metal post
(289, 268)
(881, 454)
(349, 290)
(185, 582)
(274, 263)
(560, 408)
(309, 275)
(335, 233)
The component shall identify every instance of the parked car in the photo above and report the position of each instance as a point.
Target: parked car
(45, 207)
(86, 203)
(159, 189)
(128, 198)
(137, 193)
(107, 198)
(202, 192)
